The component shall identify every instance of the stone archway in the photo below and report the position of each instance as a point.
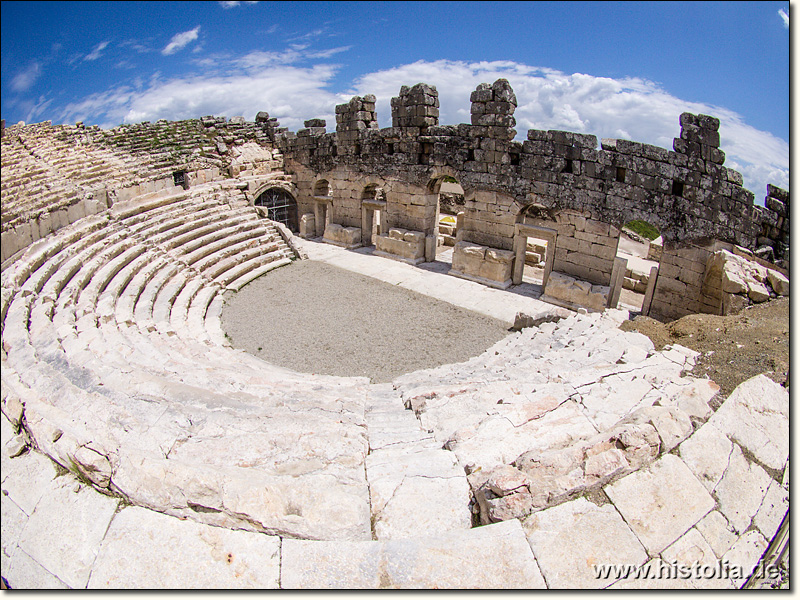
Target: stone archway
(281, 206)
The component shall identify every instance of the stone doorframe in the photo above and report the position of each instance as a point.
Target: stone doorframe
(368, 208)
(323, 213)
(521, 234)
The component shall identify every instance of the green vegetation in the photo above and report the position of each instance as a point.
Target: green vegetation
(448, 179)
(643, 228)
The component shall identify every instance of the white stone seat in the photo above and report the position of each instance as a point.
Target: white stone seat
(224, 239)
(199, 228)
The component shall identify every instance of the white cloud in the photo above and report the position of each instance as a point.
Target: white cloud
(25, 79)
(784, 17)
(234, 3)
(97, 52)
(180, 41)
(628, 108)
(291, 94)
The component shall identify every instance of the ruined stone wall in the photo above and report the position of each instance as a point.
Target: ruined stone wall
(686, 192)
(585, 248)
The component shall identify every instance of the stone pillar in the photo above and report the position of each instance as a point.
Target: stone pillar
(416, 109)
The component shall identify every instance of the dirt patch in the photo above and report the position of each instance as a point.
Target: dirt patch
(734, 348)
(315, 318)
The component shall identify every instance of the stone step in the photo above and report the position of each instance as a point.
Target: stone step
(148, 225)
(217, 269)
(39, 252)
(196, 229)
(427, 562)
(240, 276)
(165, 217)
(228, 238)
(124, 210)
(87, 299)
(198, 309)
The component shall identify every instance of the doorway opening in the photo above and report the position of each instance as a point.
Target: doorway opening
(281, 207)
(639, 254)
(373, 213)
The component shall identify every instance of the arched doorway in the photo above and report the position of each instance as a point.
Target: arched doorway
(281, 207)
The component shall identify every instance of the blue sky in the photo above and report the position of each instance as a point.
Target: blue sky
(622, 70)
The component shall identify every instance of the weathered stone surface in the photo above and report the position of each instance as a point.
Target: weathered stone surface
(756, 416)
(717, 532)
(571, 539)
(745, 554)
(69, 550)
(661, 502)
(691, 550)
(24, 573)
(446, 561)
(672, 424)
(773, 510)
(692, 398)
(26, 477)
(779, 283)
(13, 522)
(707, 454)
(741, 490)
(145, 549)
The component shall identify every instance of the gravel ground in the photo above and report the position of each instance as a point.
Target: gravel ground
(315, 318)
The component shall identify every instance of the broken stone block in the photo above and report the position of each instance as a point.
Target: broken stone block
(779, 283)
(756, 415)
(672, 424)
(666, 494)
(571, 539)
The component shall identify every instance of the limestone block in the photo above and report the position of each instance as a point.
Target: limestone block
(571, 539)
(396, 234)
(717, 532)
(690, 550)
(756, 415)
(772, 510)
(660, 502)
(672, 424)
(24, 573)
(416, 493)
(778, 282)
(741, 490)
(348, 237)
(414, 237)
(13, 521)
(308, 226)
(26, 478)
(68, 551)
(745, 554)
(496, 265)
(692, 398)
(468, 257)
(757, 292)
(146, 549)
(707, 454)
(445, 561)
